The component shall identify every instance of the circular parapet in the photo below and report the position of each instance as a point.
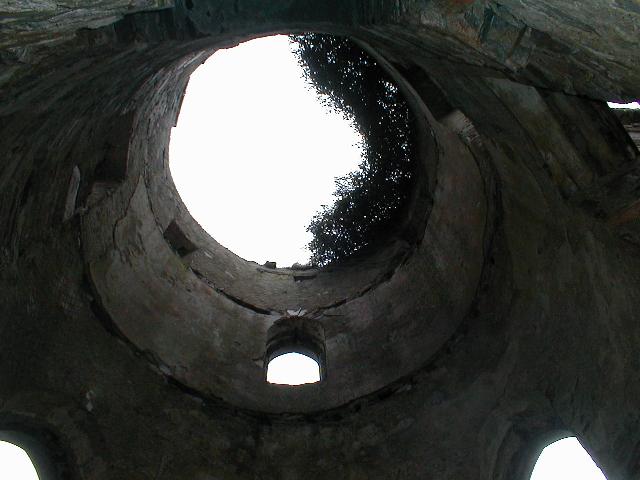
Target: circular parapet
(204, 315)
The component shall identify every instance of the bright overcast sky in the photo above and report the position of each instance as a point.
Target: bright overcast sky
(633, 105)
(293, 369)
(566, 460)
(15, 464)
(255, 155)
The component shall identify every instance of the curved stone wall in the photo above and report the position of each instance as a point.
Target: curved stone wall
(204, 314)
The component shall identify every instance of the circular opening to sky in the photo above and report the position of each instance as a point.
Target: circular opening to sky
(255, 154)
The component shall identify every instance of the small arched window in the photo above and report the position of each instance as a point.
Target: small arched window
(15, 463)
(293, 369)
(295, 352)
(566, 459)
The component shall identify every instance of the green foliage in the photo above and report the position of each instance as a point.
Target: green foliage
(369, 200)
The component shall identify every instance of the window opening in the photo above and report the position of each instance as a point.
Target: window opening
(15, 464)
(293, 369)
(632, 105)
(566, 460)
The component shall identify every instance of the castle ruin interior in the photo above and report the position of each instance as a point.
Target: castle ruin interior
(501, 317)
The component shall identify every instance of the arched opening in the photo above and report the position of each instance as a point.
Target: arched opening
(15, 463)
(293, 369)
(564, 460)
(295, 352)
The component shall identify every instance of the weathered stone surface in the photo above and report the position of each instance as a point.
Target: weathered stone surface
(504, 318)
(630, 118)
(45, 22)
(586, 48)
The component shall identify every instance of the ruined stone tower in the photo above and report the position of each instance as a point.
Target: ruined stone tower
(504, 315)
